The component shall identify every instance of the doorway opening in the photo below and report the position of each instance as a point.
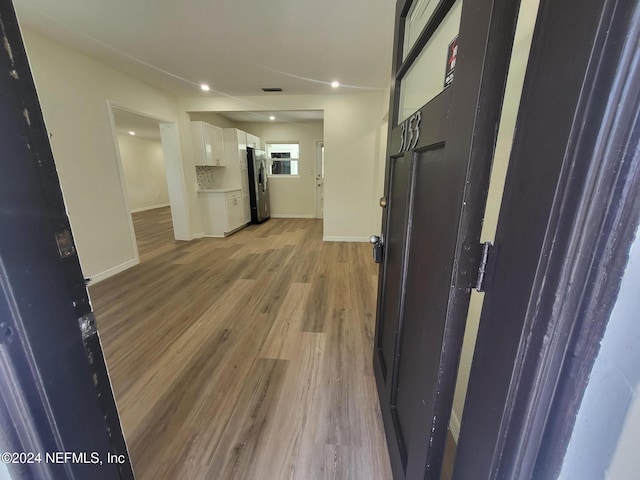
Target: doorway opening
(292, 193)
(148, 155)
(143, 173)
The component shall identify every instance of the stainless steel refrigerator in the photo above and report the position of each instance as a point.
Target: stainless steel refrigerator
(258, 187)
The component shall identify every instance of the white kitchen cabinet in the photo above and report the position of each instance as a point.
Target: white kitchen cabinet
(235, 212)
(223, 212)
(254, 142)
(208, 144)
(236, 174)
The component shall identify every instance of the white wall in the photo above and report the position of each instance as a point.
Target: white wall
(352, 138)
(379, 167)
(292, 196)
(625, 463)
(214, 119)
(144, 172)
(73, 91)
(352, 149)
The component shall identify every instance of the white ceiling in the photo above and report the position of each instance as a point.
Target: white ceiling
(235, 46)
(287, 116)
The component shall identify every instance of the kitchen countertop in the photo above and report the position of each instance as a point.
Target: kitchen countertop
(219, 190)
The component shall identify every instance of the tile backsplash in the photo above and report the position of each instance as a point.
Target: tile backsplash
(205, 176)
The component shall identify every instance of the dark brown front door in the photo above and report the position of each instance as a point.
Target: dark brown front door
(439, 158)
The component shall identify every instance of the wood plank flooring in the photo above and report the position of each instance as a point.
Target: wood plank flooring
(247, 357)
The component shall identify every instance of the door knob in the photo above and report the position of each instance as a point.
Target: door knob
(383, 202)
(376, 241)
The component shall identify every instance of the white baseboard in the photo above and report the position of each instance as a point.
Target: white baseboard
(344, 239)
(293, 215)
(153, 207)
(114, 271)
(222, 235)
(196, 236)
(454, 426)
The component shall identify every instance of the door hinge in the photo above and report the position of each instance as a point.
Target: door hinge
(482, 268)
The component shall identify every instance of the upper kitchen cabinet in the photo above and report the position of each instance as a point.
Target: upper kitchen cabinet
(208, 144)
(254, 142)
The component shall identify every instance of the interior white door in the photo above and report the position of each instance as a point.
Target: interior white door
(319, 179)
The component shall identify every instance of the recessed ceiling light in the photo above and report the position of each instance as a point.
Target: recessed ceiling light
(272, 117)
(204, 87)
(132, 133)
(335, 84)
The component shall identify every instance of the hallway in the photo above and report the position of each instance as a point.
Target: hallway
(247, 357)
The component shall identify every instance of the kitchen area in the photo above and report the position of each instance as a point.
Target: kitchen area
(231, 170)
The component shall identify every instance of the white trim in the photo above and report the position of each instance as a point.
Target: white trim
(318, 159)
(225, 234)
(174, 168)
(152, 207)
(121, 106)
(293, 215)
(454, 426)
(123, 184)
(114, 271)
(197, 235)
(344, 239)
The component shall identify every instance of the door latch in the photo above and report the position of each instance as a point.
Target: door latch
(377, 243)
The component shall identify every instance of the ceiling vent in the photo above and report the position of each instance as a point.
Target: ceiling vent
(272, 89)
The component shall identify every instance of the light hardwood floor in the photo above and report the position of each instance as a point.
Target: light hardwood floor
(247, 357)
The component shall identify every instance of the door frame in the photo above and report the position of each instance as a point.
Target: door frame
(476, 100)
(172, 162)
(568, 218)
(317, 171)
(57, 394)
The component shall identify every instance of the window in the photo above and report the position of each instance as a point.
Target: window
(283, 158)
